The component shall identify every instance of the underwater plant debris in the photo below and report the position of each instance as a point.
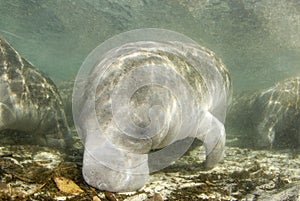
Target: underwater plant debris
(245, 174)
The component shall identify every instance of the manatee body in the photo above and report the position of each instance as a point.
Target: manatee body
(30, 106)
(143, 97)
(269, 118)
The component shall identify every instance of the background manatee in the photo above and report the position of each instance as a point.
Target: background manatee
(268, 118)
(30, 105)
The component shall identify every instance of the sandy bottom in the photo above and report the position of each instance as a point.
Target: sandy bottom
(29, 172)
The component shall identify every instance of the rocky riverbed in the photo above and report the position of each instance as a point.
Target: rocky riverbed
(30, 172)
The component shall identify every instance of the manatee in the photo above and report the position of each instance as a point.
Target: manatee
(139, 105)
(268, 118)
(31, 109)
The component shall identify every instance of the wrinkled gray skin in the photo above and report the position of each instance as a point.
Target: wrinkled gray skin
(30, 105)
(269, 118)
(115, 161)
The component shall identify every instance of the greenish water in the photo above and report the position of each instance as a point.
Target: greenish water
(259, 41)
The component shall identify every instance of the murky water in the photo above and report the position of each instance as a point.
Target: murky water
(258, 41)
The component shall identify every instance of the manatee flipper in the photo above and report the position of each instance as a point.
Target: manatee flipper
(114, 169)
(212, 133)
